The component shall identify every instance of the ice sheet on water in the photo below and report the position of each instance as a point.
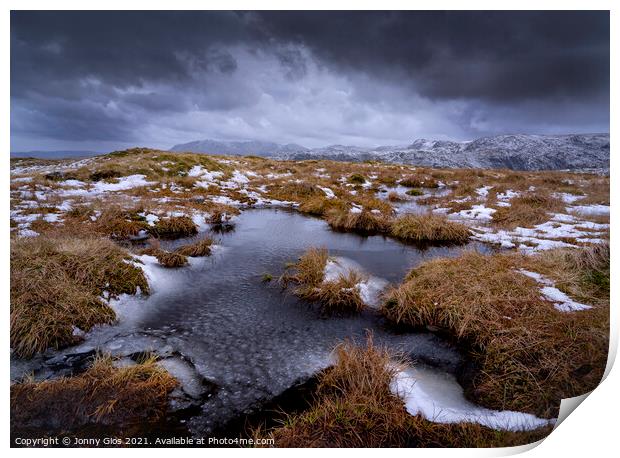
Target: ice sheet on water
(438, 397)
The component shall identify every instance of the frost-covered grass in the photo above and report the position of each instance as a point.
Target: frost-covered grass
(57, 286)
(529, 354)
(355, 406)
(117, 398)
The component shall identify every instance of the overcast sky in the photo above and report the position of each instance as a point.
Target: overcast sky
(109, 80)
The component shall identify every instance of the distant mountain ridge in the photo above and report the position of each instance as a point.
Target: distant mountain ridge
(258, 148)
(517, 152)
(60, 154)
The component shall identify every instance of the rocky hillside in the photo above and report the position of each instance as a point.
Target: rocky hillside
(517, 152)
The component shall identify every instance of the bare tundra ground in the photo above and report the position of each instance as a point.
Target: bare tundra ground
(532, 318)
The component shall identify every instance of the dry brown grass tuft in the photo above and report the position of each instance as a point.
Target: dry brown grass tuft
(394, 197)
(529, 355)
(116, 222)
(357, 178)
(429, 228)
(200, 248)
(354, 407)
(320, 205)
(340, 296)
(364, 222)
(174, 227)
(527, 210)
(294, 191)
(582, 273)
(308, 272)
(103, 395)
(168, 259)
(414, 181)
(56, 285)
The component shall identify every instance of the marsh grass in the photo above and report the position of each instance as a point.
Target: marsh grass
(104, 395)
(320, 205)
(394, 197)
(57, 284)
(335, 297)
(527, 210)
(115, 221)
(414, 181)
(364, 222)
(529, 355)
(429, 227)
(357, 178)
(340, 296)
(355, 407)
(174, 227)
(196, 249)
(169, 259)
(294, 191)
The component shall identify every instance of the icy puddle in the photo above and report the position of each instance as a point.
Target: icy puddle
(234, 341)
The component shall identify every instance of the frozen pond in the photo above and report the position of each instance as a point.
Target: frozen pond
(236, 341)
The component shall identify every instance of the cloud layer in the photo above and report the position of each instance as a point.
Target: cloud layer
(106, 80)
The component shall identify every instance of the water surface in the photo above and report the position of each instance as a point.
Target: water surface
(216, 319)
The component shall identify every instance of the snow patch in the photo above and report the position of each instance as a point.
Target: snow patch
(560, 300)
(438, 397)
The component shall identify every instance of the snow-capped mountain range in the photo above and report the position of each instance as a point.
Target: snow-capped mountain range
(517, 152)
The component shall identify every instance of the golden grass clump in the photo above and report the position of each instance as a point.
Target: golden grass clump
(394, 197)
(170, 259)
(429, 227)
(116, 222)
(339, 296)
(56, 285)
(357, 178)
(413, 181)
(320, 205)
(294, 191)
(104, 395)
(528, 354)
(200, 248)
(174, 227)
(527, 210)
(364, 222)
(355, 407)
(308, 272)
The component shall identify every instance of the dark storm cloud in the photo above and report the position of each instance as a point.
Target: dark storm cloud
(321, 77)
(488, 55)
